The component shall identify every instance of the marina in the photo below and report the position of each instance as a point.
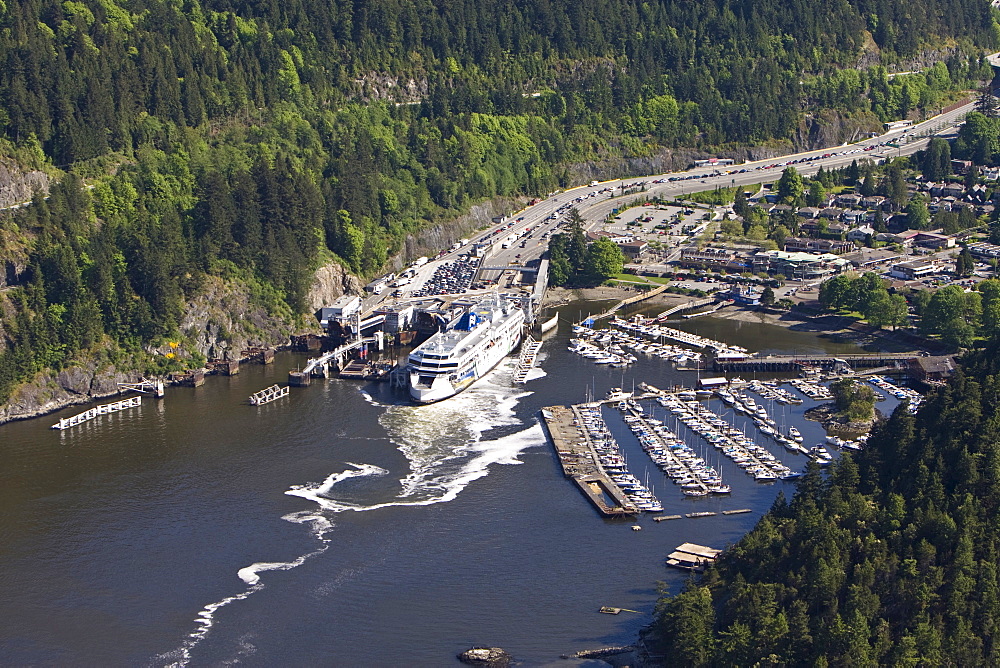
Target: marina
(426, 452)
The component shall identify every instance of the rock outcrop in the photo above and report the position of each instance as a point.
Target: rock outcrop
(331, 281)
(19, 185)
(442, 235)
(492, 657)
(225, 319)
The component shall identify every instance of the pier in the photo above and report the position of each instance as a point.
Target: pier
(320, 366)
(580, 463)
(114, 407)
(687, 306)
(796, 362)
(268, 394)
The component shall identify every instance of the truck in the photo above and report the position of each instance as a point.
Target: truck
(511, 238)
(420, 261)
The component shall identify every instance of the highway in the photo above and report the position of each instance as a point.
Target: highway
(596, 202)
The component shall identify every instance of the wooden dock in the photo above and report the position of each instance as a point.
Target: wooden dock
(579, 462)
(268, 394)
(104, 409)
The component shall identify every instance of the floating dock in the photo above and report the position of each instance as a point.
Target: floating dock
(114, 407)
(580, 463)
(268, 394)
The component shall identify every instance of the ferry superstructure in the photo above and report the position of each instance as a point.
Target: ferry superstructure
(469, 348)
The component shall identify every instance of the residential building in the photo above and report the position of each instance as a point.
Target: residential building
(860, 234)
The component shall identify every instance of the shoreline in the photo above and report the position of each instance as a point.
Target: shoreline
(833, 325)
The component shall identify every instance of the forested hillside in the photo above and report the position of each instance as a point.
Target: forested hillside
(892, 560)
(254, 141)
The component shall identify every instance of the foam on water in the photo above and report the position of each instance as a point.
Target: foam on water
(443, 444)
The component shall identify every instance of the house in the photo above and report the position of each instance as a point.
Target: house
(848, 200)
(860, 234)
(808, 212)
(809, 226)
(836, 227)
(978, 194)
(873, 202)
(831, 213)
(852, 217)
(779, 209)
(938, 204)
(990, 173)
(953, 190)
(961, 167)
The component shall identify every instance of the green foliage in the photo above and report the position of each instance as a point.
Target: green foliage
(952, 314)
(866, 294)
(573, 262)
(790, 187)
(855, 400)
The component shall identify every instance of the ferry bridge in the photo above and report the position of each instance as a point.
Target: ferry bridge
(796, 362)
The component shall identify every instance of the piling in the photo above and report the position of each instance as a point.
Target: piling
(299, 378)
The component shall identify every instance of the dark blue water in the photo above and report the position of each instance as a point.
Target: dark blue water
(338, 526)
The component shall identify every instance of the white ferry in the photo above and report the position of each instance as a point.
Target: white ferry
(471, 345)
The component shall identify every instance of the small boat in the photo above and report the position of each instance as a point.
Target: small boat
(795, 434)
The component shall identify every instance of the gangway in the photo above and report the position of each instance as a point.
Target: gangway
(145, 386)
(335, 354)
(529, 353)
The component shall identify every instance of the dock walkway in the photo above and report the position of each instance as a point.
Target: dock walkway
(104, 409)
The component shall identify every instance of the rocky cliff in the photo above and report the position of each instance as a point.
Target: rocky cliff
(77, 384)
(19, 185)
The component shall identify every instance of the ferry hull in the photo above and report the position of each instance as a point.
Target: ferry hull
(472, 346)
(443, 388)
